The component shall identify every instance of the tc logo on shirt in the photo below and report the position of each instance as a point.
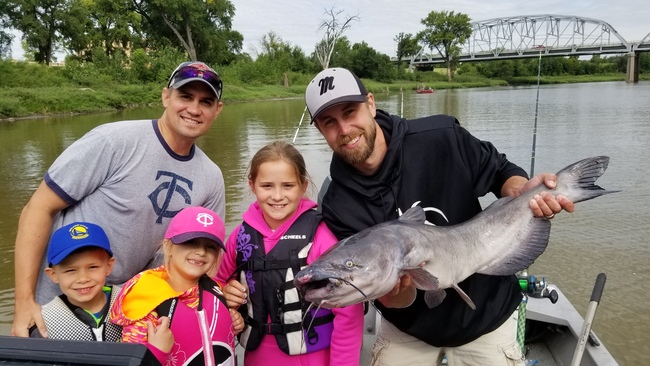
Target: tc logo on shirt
(172, 186)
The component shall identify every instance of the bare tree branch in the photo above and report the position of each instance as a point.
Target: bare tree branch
(333, 31)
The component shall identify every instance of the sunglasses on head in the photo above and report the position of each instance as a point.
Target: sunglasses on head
(190, 72)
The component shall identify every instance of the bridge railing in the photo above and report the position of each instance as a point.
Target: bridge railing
(527, 36)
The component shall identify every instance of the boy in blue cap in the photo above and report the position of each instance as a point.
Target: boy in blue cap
(80, 259)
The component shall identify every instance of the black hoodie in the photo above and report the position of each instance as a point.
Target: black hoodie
(435, 163)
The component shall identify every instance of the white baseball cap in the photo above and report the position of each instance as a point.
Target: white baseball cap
(333, 86)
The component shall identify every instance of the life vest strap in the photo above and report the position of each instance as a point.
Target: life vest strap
(281, 328)
(262, 264)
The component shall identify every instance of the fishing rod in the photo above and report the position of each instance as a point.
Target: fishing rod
(591, 312)
(521, 322)
(401, 111)
(299, 124)
(532, 155)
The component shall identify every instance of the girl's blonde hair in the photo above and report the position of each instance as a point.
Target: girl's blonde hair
(279, 150)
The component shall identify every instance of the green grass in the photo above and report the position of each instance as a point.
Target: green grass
(21, 101)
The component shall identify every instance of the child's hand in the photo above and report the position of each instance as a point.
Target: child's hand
(160, 336)
(236, 294)
(237, 321)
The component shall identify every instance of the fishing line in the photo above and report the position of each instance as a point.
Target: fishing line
(314, 317)
(307, 311)
(532, 155)
(303, 322)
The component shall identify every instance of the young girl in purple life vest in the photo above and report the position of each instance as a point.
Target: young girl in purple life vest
(281, 233)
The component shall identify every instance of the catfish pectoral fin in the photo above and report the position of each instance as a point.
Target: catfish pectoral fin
(422, 278)
(465, 297)
(434, 298)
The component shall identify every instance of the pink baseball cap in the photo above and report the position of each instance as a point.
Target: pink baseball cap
(196, 222)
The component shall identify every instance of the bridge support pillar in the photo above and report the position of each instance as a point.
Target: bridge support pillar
(632, 68)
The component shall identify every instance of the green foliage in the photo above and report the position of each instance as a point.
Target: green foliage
(5, 44)
(644, 62)
(5, 37)
(85, 74)
(445, 32)
(171, 22)
(100, 81)
(342, 54)
(155, 66)
(67, 99)
(407, 45)
(109, 24)
(30, 75)
(280, 57)
(363, 60)
(550, 66)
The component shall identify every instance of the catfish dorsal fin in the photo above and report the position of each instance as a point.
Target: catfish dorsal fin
(415, 213)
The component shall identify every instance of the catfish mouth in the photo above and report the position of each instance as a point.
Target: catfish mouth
(313, 286)
(331, 292)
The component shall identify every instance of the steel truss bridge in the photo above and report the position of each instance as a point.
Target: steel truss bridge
(540, 35)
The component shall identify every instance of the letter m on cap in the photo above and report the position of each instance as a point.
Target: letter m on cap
(326, 84)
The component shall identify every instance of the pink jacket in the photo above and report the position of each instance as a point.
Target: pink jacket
(347, 337)
(202, 332)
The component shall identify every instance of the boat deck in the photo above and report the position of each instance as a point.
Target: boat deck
(553, 328)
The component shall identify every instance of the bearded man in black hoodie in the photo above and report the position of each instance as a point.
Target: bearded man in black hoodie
(382, 165)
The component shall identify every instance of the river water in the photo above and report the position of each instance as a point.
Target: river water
(609, 234)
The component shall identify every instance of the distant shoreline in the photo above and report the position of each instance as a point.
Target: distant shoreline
(34, 103)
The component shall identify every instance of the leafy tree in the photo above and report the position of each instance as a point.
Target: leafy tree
(109, 24)
(5, 37)
(407, 45)
(201, 28)
(41, 22)
(334, 28)
(366, 62)
(5, 44)
(445, 32)
(279, 57)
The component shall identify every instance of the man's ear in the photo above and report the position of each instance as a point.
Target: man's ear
(51, 274)
(111, 262)
(166, 93)
(370, 101)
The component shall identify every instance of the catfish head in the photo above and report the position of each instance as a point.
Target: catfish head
(362, 267)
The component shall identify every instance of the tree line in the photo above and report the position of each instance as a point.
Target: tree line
(134, 41)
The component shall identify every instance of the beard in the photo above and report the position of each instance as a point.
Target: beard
(361, 153)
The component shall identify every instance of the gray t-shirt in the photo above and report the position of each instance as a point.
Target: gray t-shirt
(124, 177)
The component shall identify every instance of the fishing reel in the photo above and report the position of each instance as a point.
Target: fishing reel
(536, 287)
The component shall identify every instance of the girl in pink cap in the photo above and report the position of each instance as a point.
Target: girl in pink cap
(176, 310)
(282, 233)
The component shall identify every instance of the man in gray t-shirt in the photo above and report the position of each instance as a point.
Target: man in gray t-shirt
(131, 177)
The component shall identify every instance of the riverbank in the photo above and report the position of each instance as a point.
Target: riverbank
(34, 102)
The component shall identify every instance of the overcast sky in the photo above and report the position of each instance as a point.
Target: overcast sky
(297, 21)
(380, 21)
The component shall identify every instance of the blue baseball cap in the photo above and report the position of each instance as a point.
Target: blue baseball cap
(71, 237)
